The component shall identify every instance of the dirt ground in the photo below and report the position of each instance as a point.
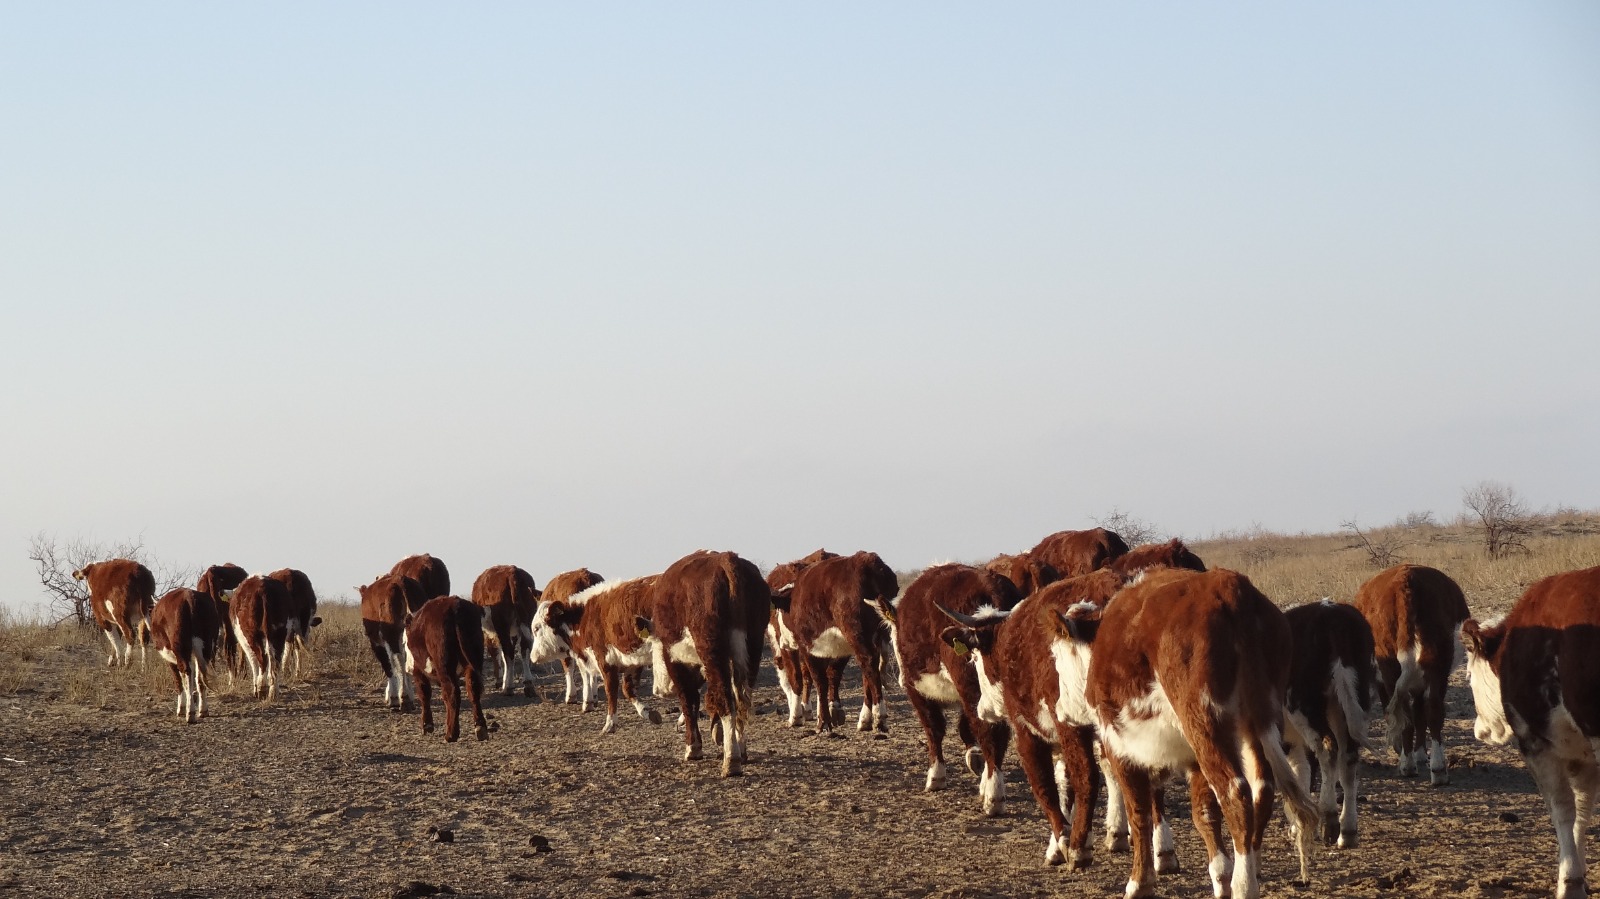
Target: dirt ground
(326, 793)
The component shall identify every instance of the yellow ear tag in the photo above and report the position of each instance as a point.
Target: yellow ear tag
(960, 648)
(644, 634)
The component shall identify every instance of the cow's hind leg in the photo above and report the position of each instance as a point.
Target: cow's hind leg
(1433, 716)
(1038, 765)
(1207, 816)
(424, 699)
(480, 725)
(992, 741)
(611, 678)
(1135, 784)
(630, 693)
(931, 714)
(450, 692)
(1078, 772)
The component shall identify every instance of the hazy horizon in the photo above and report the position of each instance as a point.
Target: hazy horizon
(591, 286)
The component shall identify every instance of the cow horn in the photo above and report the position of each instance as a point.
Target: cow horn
(958, 618)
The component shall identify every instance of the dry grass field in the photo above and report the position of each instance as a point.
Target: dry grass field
(103, 792)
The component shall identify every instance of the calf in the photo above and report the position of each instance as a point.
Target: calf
(707, 613)
(1073, 553)
(429, 572)
(1536, 684)
(259, 614)
(794, 675)
(599, 631)
(507, 596)
(833, 615)
(219, 582)
(564, 586)
(302, 609)
(385, 605)
(1330, 679)
(1172, 554)
(1030, 673)
(1415, 613)
(183, 627)
(444, 641)
(121, 594)
(1188, 673)
(936, 676)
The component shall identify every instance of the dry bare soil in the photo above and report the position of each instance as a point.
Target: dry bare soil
(326, 793)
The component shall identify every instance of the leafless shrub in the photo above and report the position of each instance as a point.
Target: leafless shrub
(1500, 516)
(1382, 546)
(1131, 528)
(68, 598)
(1412, 521)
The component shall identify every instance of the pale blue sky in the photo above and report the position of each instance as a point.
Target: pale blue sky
(324, 285)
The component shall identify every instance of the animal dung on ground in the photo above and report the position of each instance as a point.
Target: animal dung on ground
(441, 835)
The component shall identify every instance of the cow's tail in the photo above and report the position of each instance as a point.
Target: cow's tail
(1347, 693)
(1399, 717)
(1297, 803)
(469, 639)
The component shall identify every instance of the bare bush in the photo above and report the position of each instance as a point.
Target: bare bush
(1412, 521)
(1382, 546)
(68, 598)
(1131, 528)
(1500, 516)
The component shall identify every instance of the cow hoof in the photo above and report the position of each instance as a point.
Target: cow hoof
(407, 706)
(1118, 843)
(1330, 830)
(1167, 862)
(879, 735)
(527, 690)
(1347, 839)
(974, 760)
(609, 728)
(1082, 860)
(1053, 856)
(1439, 778)
(692, 753)
(481, 732)
(427, 728)
(653, 716)
(451, 738)
(732, 770)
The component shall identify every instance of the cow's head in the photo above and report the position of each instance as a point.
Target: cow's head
(972, 638)
(553, 622)
(82, 573)
(1079, 623)
(780, 597)
(1483, 645)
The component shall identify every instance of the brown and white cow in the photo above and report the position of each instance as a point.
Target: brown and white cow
(833, 615)
(184, 628)
(1330, 679)
(1189, 673)
(302, 609)
(121, 594)
(1031, 671)
(708, 610)
(794, 674)
(428, 571)
(936, 676)
(507, 596)
(444, 641)
(1072, 553)
(385, 605)
(1416, 614)
(1536, 684)
(562, 587)
(1027, 573)
(598, 630)
(259, 614)
(219, 582)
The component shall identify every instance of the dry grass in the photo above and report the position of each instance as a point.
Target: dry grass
(1292, 570)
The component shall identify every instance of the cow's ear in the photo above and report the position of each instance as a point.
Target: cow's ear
(407, 622)
(1473, 638)
(316, 620)
(780, 598)
(962, 640)
(645, 628)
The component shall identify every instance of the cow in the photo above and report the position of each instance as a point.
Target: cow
(832, 615)
(794, 675)
(598, 630)
(1536, 684)
(121, 594)
(219, 582)
(385, 604)
(507, 595)
(1415, 613)
(1030, 674)
(1188, 672)
(258, 611)
(1171, 554)
(302, 609)
(708, 610)
(936, 676)
(564, 586)
(443, 641)
(1073, 553)
(1027, 573)
(1330, 678)
(429, 571)
(184, 628)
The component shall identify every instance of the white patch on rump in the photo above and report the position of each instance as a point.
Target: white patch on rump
(938, 687)
(1146, 731)
(831, 644)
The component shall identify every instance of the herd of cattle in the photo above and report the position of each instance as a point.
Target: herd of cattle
(1107, 666)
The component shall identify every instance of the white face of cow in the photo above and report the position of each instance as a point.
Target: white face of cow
(550, 641)
(1491, 725)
